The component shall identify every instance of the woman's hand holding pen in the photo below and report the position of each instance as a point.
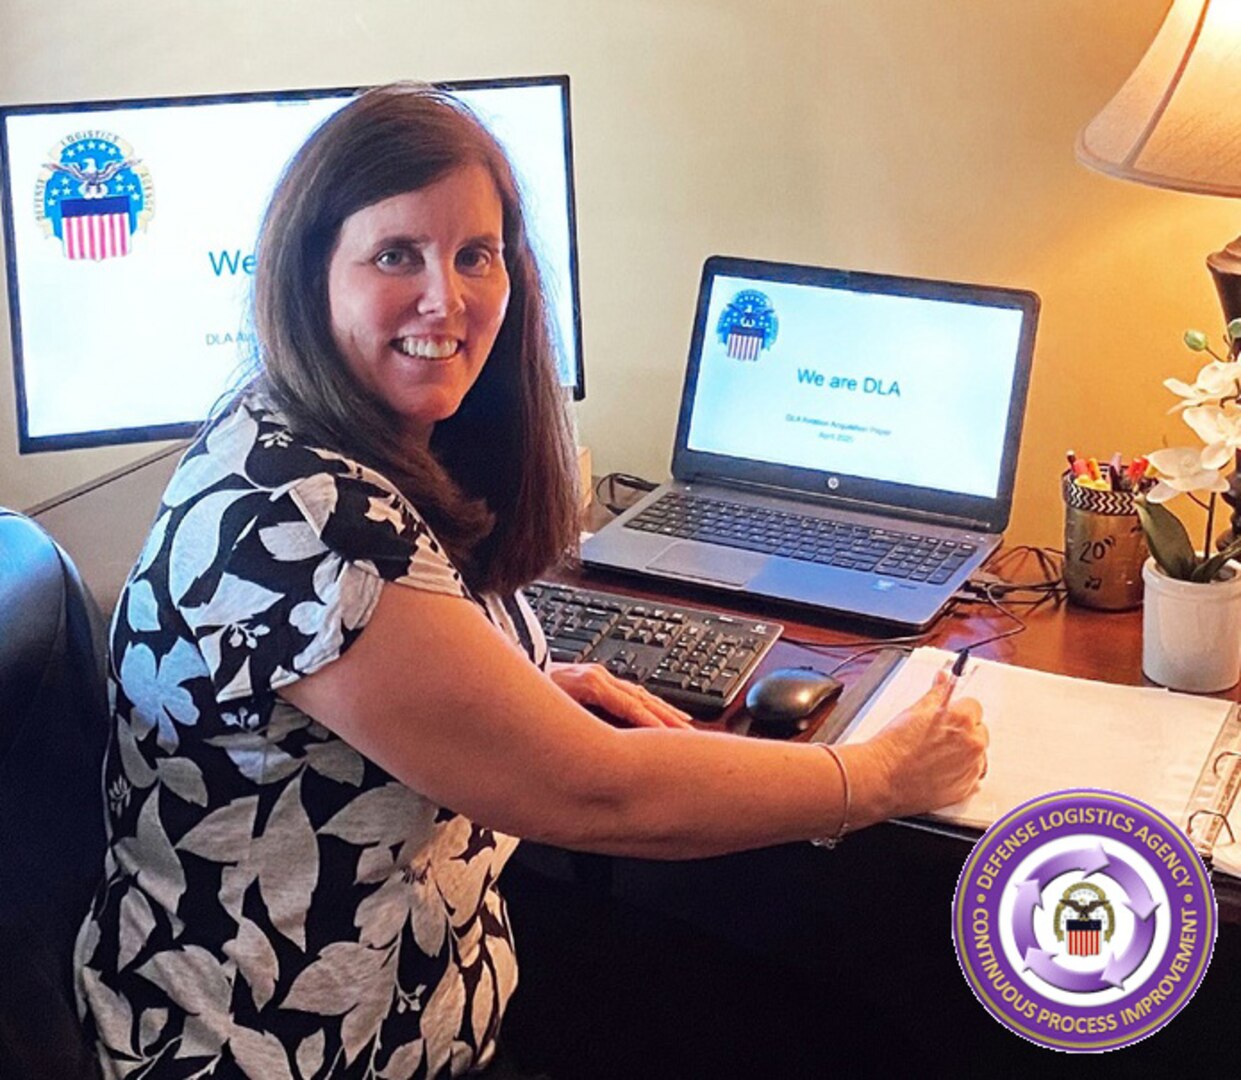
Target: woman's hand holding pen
(935, 752)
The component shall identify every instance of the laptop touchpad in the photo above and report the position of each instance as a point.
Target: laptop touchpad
(720, 566)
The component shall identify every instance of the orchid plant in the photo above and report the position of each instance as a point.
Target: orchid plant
(1211, 406)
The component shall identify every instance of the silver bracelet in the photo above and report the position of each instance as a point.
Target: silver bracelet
(830, 842)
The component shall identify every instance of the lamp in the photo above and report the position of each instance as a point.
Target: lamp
(1176, 123)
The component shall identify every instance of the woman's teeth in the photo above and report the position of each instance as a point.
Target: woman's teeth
(428, 348)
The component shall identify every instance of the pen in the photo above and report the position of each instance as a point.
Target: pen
(955, 671)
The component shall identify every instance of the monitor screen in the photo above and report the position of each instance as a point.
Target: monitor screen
(829, 396)
(130, 230)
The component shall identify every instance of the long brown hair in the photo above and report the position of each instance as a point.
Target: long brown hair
(498, 485)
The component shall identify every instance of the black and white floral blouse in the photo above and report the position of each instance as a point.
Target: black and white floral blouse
(274, 904)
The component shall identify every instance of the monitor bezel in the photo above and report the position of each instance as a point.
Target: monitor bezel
(28, 443)
(989, 514)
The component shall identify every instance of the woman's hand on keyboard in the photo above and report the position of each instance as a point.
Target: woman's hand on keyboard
(593, 685)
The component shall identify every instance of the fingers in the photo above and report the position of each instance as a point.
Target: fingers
(985, 733)
(630, 702)
(593, 684)
(940, 689)
(963, 719)
(970, 712)
(969, 709)
(981, 735)
(655, 712)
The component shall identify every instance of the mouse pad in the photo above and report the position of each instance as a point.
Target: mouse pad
(727, 567)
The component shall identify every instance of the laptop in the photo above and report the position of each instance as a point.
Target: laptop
(847, 441)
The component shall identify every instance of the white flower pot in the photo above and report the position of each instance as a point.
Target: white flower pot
(1191, 631)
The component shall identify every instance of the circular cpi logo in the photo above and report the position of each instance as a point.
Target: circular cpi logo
(1084, 920)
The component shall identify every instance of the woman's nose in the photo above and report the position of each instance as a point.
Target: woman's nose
(441, 293)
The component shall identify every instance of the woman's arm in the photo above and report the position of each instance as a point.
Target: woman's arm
(438, 697)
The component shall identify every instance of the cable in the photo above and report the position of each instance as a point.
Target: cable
(1011, 632)
(1049, 589)
(862, 652)
(626, 480)
(1050, 562)
(905, 644)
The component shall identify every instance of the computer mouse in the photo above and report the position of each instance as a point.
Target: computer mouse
(786, 696)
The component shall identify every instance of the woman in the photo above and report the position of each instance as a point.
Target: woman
(329, 724)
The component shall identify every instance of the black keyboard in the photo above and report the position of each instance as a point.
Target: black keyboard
(849, 546)
(692, 657)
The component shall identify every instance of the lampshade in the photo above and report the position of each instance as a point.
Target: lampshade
(1176, 123)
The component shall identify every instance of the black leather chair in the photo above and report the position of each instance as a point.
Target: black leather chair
(53, 730)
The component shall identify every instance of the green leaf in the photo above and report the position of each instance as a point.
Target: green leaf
(1169, 542)
(1210, 568)
(1196, 340)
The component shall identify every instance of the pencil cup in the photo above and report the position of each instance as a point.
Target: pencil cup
(1104, 547)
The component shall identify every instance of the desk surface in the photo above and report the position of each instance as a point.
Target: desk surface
(871, 916)
(867, 908)
(1058, 637)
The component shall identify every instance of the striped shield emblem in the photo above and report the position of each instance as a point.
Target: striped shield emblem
(744, 344)
(95, 228)
(1083, 936)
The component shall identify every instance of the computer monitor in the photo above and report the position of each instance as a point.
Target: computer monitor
(130, 227)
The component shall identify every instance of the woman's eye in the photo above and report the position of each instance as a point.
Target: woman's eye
(392, 259)
(475, 259)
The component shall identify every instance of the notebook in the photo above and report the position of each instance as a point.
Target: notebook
(1175, 752)
(847, 441)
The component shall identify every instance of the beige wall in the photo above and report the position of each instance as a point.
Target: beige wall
(927, 137)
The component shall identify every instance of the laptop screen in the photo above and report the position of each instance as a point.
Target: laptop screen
(897, 384)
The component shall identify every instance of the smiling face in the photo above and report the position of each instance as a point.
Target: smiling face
(417, 290)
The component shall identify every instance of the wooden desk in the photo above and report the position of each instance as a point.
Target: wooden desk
(1059, 637)
(874, 913)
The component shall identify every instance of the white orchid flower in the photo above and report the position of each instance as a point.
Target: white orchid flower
(1181, 469)
(1217, 380)
(1219, 426)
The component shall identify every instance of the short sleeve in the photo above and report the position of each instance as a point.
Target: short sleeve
(301, 579)
(514, 615)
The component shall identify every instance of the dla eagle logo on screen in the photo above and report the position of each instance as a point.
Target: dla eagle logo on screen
(748, 325)
(94, 195)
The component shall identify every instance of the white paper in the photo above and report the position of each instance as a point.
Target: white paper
(1051, 732)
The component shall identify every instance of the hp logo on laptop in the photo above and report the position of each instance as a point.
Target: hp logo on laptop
(833, 482)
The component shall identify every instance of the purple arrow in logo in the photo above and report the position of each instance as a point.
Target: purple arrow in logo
(1119, 968)
(1140, 901)
(1043, 964)
(1029, 897)
(1087, 860)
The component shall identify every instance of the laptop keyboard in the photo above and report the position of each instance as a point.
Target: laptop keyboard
(799, 536)
(695, 658)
